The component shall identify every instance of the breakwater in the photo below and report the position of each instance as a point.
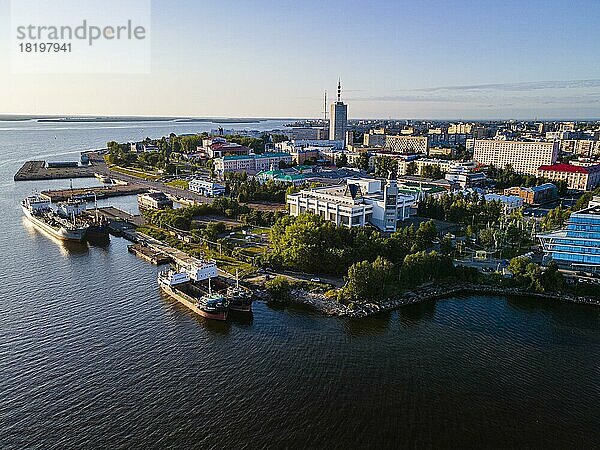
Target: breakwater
(426, 292)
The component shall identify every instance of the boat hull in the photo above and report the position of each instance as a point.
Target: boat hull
(189, 304)
(61, 233)
(241, 308)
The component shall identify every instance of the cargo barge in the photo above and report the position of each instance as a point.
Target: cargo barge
(179, 286)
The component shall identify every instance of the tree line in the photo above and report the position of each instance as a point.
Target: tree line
(311, 244)
(467, 209)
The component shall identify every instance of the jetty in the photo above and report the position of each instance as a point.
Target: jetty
(41, 170)
(93, 192)
(149, 254)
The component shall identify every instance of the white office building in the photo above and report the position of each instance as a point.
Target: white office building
(361, 201)
(406, 144)
(206, 187)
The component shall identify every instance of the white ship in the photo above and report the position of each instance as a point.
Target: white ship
(180, 286)
(39, 212)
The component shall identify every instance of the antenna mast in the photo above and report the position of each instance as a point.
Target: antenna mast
(325, 114)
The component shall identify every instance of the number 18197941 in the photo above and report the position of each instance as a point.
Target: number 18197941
(44, 47)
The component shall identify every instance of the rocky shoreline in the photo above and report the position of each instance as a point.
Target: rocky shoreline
(426, 292)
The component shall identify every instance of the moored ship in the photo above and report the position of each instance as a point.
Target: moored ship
(41, 214)
(179, 286)
(240, 299)
(154, 200)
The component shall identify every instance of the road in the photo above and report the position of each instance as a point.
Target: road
(100, 167)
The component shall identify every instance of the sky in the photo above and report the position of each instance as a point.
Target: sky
(396, 59)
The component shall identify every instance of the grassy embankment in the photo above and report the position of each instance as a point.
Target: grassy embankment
(199, 250)
(181, 184)
(133, 172)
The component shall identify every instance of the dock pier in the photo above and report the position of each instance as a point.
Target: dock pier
(38, 170)
(149, 254)
(93, 192)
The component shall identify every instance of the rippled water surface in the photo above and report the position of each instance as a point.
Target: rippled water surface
(92, 355)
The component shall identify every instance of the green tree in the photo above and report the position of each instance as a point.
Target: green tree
(421, 267)
(446, 246)
(555, 219)
(363, 161)
(384, 165)
(342, 160)
(279, 288)
(411, 168)
(432, 171)
(367, 281)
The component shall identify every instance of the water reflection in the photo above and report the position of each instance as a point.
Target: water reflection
(414, 314)
(216, 326)
(243, 319)
(555, 310)
(368, 326)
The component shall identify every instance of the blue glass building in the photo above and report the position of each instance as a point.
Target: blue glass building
(578, 246)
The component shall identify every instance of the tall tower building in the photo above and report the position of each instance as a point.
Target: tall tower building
(338, 118)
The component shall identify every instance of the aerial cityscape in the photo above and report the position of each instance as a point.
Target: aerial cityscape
(344, 273)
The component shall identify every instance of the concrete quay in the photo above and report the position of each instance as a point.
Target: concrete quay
(149, 254)
(114, 190)
(37, 170)
(112, 214)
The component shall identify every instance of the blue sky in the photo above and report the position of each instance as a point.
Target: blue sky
(420, 59)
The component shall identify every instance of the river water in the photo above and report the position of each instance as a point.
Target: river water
(92, 355)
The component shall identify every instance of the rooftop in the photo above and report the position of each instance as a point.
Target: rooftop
(562, 167)
(261, 156)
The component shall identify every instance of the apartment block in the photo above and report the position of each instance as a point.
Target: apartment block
(524, 157)
(406, 144)
(579, 178)
(251, 164)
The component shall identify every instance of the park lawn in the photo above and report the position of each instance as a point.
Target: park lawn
(181, 184)
(230, 265)
(253, 251)
(138, 173)
(260, 230)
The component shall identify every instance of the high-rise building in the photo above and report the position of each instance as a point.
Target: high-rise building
(524, 157)
(338, 118)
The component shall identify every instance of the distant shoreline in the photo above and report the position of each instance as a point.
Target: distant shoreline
(113, 119)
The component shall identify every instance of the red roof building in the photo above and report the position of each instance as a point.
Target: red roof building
(580, 178)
